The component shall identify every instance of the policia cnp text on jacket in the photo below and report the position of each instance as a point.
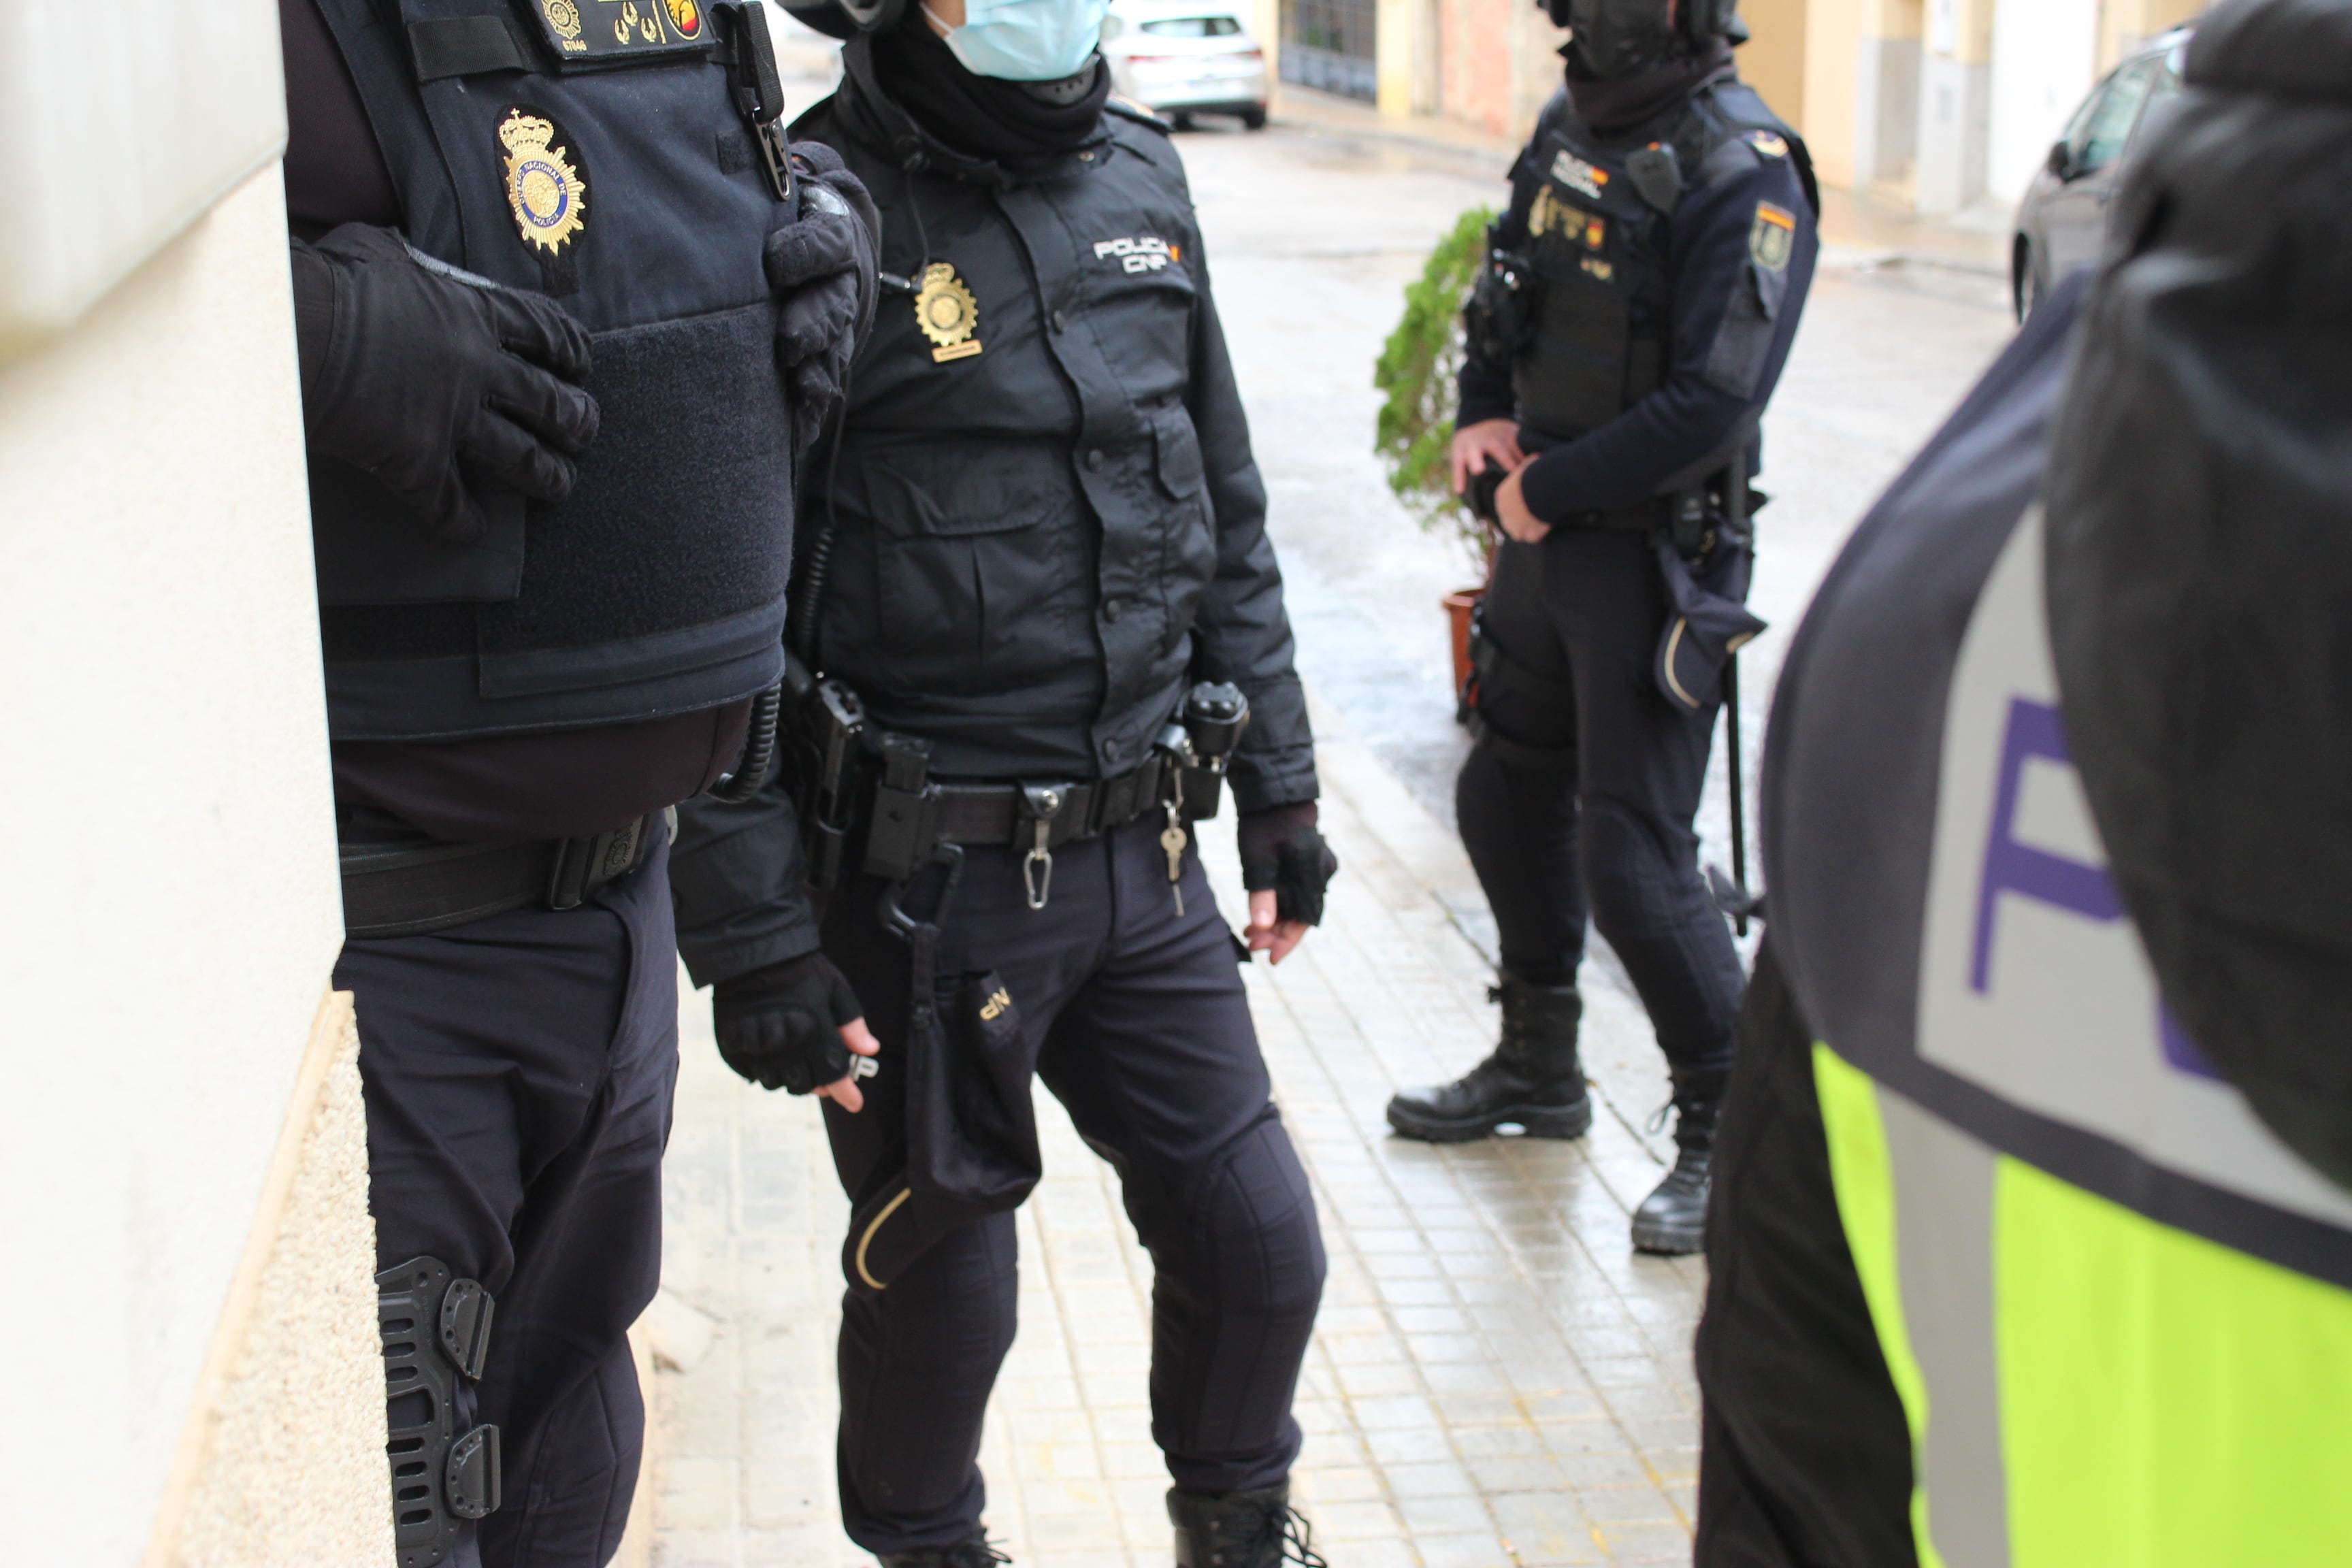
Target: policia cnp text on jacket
(1641, 299)
(1042, 527)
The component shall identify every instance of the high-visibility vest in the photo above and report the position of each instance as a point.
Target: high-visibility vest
(2117, 1309)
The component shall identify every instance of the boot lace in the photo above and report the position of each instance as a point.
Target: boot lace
(978, 1553)
(1295, 1539)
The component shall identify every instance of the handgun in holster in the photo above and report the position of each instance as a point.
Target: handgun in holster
(824, 730)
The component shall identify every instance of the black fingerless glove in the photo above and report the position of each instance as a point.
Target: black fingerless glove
(1282, 849)
(432, 382)
(822, 270)
(780, 1027)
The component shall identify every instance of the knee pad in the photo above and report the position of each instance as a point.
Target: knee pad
(437, 1332)
(1632, 869)
(1255, 1229)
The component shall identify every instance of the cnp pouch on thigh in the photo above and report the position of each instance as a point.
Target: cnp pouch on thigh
(971, 1134)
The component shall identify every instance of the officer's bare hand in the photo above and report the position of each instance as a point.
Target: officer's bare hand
(1266, 934)
(1476, 445)
(1286, 865)
(843, 1091)
(797, 1027)
(1511, 509)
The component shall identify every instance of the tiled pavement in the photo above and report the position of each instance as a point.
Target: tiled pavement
(1496, 1379)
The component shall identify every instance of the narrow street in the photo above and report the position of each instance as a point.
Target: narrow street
(1496, 1380)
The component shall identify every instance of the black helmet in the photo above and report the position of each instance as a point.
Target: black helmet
(840, 18)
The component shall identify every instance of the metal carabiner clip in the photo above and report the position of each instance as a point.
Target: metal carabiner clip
(1038, 868)
(1044, 802)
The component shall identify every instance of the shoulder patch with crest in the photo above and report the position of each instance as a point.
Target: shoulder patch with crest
(1772, 236)
(1771, 143)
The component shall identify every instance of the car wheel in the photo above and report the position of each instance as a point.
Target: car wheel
(1254, 119)
(1180, 121)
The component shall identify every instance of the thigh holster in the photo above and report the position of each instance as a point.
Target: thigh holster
(1501, 684)
(437, 1331)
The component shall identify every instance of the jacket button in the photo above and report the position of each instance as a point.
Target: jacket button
(1095, 459)
(1110, 609)
(1061, 321)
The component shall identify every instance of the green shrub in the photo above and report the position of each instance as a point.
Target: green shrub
(1416, 371)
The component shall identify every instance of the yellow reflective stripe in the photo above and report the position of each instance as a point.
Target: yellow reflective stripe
(1865, 1180)
(2165, 1402)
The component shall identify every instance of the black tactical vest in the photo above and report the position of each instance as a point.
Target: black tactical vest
(590, 149)
(1597, 342)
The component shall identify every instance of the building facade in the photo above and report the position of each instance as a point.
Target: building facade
(1934, 106)
(196, 1368)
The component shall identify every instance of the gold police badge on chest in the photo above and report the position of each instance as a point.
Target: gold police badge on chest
(947, 313)
(548, 198)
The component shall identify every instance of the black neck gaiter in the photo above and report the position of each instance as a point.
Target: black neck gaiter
(1613, 107)
(978, 116)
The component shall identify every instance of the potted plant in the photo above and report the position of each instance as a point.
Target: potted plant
(1416, 375)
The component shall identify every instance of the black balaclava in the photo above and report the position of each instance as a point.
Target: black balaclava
(981, 117)
(1630, 60)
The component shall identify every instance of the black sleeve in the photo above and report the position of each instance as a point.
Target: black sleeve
(1242, 632)
(1734, 318)
(1805, 1453)
(1483, 389)
(738, 885)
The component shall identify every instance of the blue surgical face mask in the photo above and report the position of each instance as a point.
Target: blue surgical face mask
(1027, 41)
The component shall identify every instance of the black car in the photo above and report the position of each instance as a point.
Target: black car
(2061, 222)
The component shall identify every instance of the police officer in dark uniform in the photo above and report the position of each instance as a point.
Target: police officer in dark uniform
(1039, 613)
(2034, 1242)
(563, 299)
(1639, 303)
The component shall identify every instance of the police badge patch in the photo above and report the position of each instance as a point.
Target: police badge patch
(1771, 143)
(548, 198)
(947, 313)
(1772, 236)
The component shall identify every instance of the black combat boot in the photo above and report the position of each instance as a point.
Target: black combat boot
(1240, 1529)
(1672, 1218)
(1533, 1079)
(973, 1551)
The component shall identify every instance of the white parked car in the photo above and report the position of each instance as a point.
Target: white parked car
(1182, 57)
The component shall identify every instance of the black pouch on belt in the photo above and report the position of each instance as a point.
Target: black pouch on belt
(971, 1134)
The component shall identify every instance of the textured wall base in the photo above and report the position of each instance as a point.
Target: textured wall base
(282, 1464)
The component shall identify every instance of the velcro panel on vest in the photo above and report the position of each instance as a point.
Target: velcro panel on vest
(683, 510)
(465, 46)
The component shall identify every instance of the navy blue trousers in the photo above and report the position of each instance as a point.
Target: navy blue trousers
(1138, 1023)
(518, 1074)
(1579, 806)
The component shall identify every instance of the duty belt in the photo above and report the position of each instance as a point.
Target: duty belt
(1010, 814)
(401, 889)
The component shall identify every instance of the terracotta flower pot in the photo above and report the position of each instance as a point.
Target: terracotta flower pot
(1459, 605)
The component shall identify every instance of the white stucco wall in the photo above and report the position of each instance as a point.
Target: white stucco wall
(2045, 55)
(171, 914)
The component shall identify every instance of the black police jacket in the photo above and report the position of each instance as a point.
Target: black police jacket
(1046, 518)
(1661, 274)
(617, 175)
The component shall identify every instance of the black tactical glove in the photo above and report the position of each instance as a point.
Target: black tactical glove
(1282, 849)
(780, 1027)
(822, 269)
(435, 383)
